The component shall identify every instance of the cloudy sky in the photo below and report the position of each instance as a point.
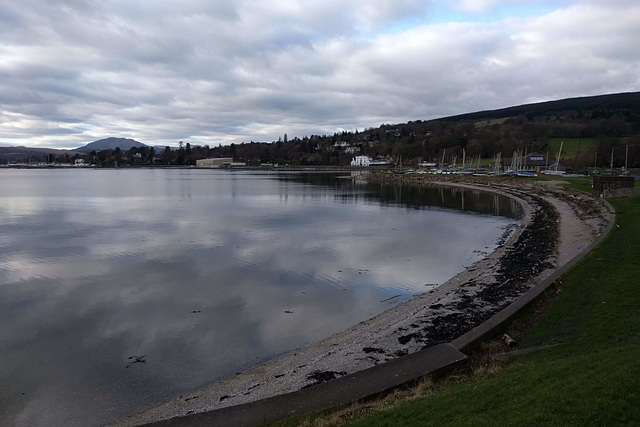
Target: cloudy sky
(217, 72)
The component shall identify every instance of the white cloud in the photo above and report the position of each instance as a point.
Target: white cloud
(476, 5)
(231, 71)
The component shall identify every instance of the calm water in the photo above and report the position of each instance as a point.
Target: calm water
(204, 273)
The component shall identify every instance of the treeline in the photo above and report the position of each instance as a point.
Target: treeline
(609, 102)
(608, 122)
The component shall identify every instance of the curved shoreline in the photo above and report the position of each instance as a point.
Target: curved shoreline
(441, 315)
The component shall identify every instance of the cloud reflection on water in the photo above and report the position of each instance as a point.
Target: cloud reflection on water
(197, 271)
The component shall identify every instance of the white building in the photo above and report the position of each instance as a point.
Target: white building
(361, 161)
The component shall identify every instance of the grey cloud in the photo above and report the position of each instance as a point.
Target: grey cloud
(233, 71)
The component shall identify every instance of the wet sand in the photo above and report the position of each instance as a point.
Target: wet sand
(556, 225)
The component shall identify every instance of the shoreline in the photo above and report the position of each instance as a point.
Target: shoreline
(556, 225)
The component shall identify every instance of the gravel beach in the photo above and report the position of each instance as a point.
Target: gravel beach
(556, 225)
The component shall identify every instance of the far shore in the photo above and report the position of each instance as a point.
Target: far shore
(557, 224)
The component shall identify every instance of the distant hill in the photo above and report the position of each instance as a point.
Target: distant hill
(111, 143)
(617, 101)
(19, 154)
(590, 127)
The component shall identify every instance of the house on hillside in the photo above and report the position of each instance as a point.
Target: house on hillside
(352, 150)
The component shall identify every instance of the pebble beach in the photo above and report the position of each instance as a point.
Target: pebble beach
(556, 225)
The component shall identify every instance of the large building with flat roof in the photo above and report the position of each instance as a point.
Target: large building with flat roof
(219, 162)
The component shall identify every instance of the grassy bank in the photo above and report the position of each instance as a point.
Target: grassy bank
(591, 375)
(571, 147)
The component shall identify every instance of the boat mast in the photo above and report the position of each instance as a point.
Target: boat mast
(558, 159)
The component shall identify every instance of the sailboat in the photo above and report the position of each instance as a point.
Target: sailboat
(556, 171)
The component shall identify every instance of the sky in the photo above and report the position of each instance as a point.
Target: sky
(232, 71)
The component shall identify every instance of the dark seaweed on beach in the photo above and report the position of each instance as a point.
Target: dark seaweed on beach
(537, 243)
(373, 350)
(528, 257)
(137, 359)
(320, 377)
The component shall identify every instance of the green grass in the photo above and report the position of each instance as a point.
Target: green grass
(563, 390)
(490, 122)
(584, 184)
(590, 377)
(570, 147)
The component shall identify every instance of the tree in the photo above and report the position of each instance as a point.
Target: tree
(167, 155)
(117, 156)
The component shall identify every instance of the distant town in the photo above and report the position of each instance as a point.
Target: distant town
(574, 136)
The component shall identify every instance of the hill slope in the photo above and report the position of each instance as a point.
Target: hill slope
(616, 101)
(26, 154)
(110, 144)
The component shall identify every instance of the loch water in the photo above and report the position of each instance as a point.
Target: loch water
(120, 289)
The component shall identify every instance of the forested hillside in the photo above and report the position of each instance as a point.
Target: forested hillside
(590, 129)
